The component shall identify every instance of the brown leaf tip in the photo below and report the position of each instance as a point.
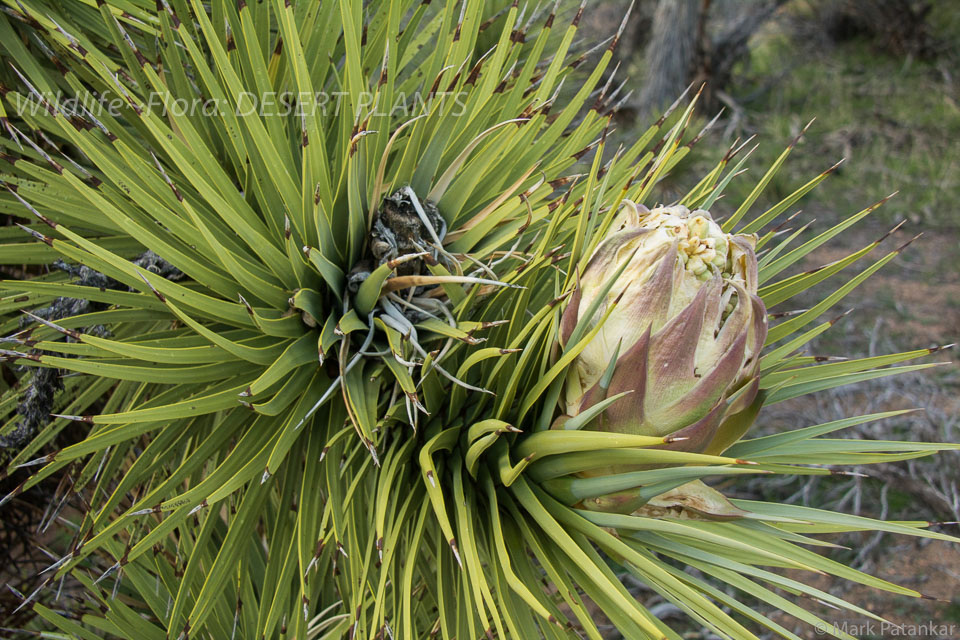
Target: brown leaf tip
(907, 243)
(577, 18)
(86, 419)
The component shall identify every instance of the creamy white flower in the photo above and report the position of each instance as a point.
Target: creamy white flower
(686, 332)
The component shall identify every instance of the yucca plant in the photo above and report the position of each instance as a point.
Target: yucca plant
(349, 298)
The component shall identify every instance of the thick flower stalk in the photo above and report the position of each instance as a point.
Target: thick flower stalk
(681, 346)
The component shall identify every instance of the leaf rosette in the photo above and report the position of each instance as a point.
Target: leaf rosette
(313, 353)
